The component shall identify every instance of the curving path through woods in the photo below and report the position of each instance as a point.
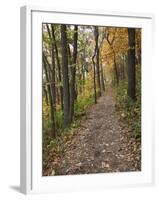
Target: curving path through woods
(103, 143)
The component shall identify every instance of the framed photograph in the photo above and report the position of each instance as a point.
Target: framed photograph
(86, 103)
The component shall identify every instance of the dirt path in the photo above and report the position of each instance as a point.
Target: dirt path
(102, 144)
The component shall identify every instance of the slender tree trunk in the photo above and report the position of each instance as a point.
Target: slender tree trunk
(53, 78)
(49, 68)
(73, 74)
(102, 77)
(94, 80)
(46, 95)
(123, 67)
(58, 65)
(139, 56)
(126, 64)
(66, 93)
(58, 100)
(52, 68)
(53, 87)
(111, 42)
(115, 68)
(83, 68)
(69, 55)
(96, 33)
(52, 112)
(94, 76)
(131, 64)
(101, 64)
(83, 78)
(79, 78)
(119, 71)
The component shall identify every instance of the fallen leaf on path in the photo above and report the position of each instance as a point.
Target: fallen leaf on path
(53, 173)
(79, 164)
(105, 165)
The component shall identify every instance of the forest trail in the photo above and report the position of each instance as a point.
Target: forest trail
(103, 143)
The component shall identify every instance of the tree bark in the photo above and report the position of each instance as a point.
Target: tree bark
(131, 64)
(66, 93)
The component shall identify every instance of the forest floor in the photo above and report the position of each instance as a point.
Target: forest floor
(103, 143)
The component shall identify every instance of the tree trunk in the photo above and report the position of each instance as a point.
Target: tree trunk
(131, 64)
(102, 77)
(83, 78)
(115, 68)
(73, 74)
(94, 76)
(52, 112)
(52, 69)
(96, 33)
(66, 93)
(79, 78)
(123, 67)
(111, 44)
(94, 80)
(101, 63)
(139, 56)
(46, 95)
(58, 65)
(53, 78)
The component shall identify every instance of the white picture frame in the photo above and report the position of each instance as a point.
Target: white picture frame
(31, 122)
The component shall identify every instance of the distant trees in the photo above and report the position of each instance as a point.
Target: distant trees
(123, 52)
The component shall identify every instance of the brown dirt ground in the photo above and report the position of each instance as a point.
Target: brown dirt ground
(102, 144)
